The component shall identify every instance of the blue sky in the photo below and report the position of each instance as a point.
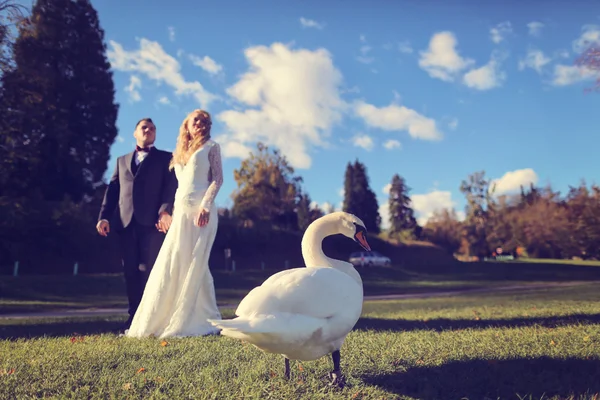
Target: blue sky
(431, 90)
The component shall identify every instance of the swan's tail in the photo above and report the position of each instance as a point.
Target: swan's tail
(270, 331)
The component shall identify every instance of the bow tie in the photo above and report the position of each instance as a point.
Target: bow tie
(142, 149)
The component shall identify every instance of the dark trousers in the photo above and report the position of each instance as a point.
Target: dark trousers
(139, 248)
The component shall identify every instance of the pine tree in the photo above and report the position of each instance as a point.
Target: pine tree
(359, 199)
(349, 204)
(402, 218)
(59, 104)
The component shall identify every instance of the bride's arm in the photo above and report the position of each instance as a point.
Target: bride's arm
(215, 177)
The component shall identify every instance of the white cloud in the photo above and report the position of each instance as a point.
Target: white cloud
(535, 28)
(425, 205)
(486, 77)
(384, 213)
(326, 206)
(364, 141)
(512, 180)
(500, 31)
(309, 23)
(453, 124)
(171, 33)
(565, 75)
(364, 51)
(135, 83)
(398, 118)
(292, 100)
(589, 36)
(120, 139)
(164, 100)
(152, 61)
(535, 60)
(441, 60)
(392, 144)
(386, 188)
(207, 64)
(405, 47)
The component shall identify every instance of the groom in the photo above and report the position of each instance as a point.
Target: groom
(142, 189)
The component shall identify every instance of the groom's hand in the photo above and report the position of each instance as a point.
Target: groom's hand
(103, 227)
(164, 222)
(202, 218)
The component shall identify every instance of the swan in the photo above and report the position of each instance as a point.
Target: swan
(305, 313)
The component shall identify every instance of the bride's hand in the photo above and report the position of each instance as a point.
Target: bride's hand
(202, 218)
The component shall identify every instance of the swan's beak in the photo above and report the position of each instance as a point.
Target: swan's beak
(361, 238)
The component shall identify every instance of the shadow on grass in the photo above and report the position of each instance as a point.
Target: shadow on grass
(59, 327)
(443, 324)
(479, 379)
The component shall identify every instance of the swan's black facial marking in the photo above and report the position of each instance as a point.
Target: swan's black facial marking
(361, 237)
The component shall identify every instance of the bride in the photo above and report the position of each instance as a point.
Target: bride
(180, 297)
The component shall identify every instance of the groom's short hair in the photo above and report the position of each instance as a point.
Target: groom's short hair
(144, 120)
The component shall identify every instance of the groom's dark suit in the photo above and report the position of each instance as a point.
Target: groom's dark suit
(134, 199)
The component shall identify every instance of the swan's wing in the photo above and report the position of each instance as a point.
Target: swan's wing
(314, 292)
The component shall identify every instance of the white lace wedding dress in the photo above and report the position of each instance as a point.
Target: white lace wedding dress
(180, 295)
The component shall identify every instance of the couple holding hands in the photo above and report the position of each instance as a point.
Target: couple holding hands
(161, 205)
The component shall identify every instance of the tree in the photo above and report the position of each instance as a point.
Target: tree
(58, 104)
(444, 229)
(11, 14)
(583, 207)
(590, 61)
(402, 218)
(267, 191)
(307, 211)
(349, 204)
(477, 191)
(359, 199)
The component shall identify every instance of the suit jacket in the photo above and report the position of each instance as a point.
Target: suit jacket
(143, 195)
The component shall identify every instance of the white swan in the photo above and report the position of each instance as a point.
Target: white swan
(305, 313)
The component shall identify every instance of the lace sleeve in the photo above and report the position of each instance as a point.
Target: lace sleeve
(215, 176)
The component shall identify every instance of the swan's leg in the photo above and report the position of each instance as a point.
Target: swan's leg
(337, 379)
(287, 368)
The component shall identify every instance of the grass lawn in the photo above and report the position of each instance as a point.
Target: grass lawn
(539, 345)
(46, 292)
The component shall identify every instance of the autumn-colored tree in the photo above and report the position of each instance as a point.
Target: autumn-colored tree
(499, 232)
(583, 207)
(543, 227)
(267, 190)
(444, 229)
(590, 60)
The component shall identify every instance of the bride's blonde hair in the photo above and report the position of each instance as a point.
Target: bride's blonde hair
(186, 144)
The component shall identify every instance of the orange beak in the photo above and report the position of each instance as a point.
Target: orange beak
(362, 240)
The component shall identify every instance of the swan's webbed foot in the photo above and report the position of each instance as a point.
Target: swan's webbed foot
(287, 368)
(337, 379)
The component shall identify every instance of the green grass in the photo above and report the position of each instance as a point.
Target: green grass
(50, 292)
(591, 263)
(543, 344)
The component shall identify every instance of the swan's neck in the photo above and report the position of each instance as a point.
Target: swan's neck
(312, 249)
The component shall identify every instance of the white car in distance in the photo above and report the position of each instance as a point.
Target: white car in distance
(369, 258)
